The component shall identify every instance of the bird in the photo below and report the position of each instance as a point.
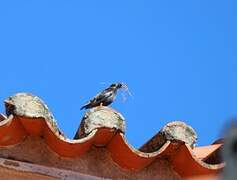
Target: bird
(106, 97)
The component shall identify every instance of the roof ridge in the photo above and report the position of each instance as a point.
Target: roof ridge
(15, 128)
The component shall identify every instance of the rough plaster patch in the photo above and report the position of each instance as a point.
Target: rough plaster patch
(100, 117)
(178, 130)
(28, 105)
(11, 163)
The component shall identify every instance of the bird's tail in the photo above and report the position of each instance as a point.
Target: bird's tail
(85, 106)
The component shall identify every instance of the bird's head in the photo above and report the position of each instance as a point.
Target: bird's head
(124, 86)
(118, 85)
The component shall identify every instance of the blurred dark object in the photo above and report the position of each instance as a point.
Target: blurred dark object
(230, 151)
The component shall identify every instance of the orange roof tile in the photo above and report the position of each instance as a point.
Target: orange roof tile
(203, 152)
(36, 120)
(15, 128)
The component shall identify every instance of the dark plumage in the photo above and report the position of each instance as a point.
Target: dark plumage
(105, 98)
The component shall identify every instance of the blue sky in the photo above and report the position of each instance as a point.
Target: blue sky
(179, 59)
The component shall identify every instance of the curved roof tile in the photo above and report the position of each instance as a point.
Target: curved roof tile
(15, 128)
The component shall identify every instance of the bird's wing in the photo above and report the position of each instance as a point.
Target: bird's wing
(100, 97)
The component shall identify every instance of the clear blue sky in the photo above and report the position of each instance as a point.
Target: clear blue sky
(179, 59)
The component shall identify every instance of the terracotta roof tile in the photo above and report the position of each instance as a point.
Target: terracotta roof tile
(203, 152)
(15, 128)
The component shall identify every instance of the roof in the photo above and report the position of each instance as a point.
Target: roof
(15, 128)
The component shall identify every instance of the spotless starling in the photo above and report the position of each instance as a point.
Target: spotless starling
(106, 97)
